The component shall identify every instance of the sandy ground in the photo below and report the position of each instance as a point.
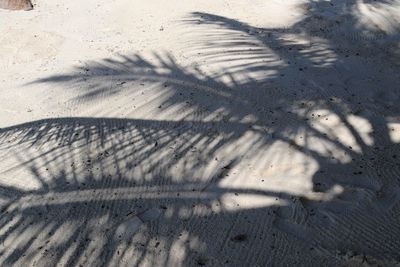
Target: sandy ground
(200, 133)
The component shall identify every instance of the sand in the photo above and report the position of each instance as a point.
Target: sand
(200, 133)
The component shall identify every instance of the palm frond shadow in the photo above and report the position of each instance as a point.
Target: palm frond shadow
(96, 173)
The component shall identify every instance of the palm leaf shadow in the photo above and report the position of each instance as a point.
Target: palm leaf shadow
(359, 218)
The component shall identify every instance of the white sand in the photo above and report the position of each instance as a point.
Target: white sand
(179, 133)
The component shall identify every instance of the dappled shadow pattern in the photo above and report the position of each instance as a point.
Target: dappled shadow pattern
(301, 88)
(95, 174)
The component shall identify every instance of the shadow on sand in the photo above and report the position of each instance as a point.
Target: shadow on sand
(135, 192)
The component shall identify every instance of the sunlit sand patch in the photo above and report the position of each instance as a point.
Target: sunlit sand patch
(394, 131)
(379, 16)
(278, 13)
(327, 122)
(232, 202)
(20, 47)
